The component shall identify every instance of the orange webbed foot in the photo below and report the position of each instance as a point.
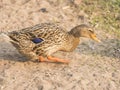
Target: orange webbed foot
(54, 59)
(41, 59)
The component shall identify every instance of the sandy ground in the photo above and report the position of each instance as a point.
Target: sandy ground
(93, 66)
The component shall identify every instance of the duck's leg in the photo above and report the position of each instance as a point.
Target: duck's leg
(41, 59)
(53, 59)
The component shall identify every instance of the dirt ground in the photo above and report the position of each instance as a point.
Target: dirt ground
(93, 66)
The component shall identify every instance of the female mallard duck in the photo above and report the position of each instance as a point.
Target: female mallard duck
(41, 41)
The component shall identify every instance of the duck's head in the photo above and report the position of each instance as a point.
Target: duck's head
(83, 31)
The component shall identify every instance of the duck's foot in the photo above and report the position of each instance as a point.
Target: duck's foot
(52, 59)
(42, 59)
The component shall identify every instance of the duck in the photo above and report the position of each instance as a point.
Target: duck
(39, 42)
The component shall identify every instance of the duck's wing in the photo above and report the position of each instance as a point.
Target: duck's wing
(42, 32)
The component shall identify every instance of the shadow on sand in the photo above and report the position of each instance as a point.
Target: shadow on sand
(9, 52)
(108, 47)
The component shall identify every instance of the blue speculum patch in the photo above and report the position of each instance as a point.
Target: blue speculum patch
(37, 40)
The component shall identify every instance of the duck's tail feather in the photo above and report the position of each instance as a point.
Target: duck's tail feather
(5, 36)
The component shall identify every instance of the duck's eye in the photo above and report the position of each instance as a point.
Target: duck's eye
(91, 30)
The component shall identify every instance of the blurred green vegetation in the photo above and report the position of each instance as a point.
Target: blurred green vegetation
(103, 13)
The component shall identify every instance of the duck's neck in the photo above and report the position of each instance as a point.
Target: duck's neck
(72, 42)
(75, 33)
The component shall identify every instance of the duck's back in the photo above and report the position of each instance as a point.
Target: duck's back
(44, 31)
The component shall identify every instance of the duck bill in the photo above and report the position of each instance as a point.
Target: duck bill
(96, 39)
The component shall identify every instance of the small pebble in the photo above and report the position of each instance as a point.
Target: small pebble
(43, 10)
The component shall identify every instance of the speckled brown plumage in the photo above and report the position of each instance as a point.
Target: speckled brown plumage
(54, 39)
